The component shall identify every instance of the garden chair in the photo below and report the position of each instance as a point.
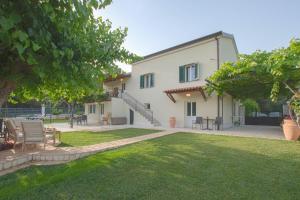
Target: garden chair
(14, 132)
(107, 119)
(78, 119)
(84, 119)
(34, 133)
(198, 121)
(218, 122)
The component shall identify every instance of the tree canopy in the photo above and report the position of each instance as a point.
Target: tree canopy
(261, 75)
(56, 49)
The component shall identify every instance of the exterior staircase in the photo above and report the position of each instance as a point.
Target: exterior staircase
(139, 107)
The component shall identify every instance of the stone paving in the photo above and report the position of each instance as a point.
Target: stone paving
(267, 132)
(11, 160)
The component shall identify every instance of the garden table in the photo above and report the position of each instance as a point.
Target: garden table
(207, 119)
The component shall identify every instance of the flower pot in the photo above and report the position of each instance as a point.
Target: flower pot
(290, 129)
(172, 122)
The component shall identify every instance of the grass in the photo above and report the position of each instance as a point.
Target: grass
(82, 138)
(179, 166)
(47, 121)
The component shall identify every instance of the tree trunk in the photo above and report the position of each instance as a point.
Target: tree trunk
(6, 87)
(72, 115)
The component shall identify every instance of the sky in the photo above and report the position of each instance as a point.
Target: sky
(154, 25)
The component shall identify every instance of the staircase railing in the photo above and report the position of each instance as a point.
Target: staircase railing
(134, 103)
(137, 106)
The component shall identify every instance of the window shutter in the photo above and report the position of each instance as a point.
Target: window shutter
(142, 81)
(189, 109)
(196, 71)
(151, 80)
(181, 74)
(193, 108)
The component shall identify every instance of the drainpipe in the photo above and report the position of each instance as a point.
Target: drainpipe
(218, 67)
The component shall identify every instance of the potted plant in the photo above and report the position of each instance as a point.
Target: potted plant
(291, 125)
(172, 122)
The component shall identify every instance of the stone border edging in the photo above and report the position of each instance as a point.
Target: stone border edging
(72, 153)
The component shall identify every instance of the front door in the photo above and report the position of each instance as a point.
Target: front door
(123, 87)
(116, 92)
(131, 117)
(190, 113)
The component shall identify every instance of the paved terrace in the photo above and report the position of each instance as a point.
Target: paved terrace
(269, 132)
(11, 160)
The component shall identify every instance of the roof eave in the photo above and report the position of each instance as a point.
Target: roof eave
(186, 44)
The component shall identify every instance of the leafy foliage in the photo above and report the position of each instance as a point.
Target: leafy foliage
(295, 104)
(250, 106)
(56, 49)
(261, 75)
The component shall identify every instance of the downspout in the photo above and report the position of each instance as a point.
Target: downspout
(218, 67)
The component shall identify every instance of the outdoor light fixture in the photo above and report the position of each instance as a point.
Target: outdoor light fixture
(188, 95)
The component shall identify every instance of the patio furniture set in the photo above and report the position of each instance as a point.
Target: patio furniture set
(215, 123)
(22, 131)
(80, 119)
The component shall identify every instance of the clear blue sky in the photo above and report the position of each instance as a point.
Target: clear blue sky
(158, 24)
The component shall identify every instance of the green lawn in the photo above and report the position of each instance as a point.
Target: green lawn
(82, 138)
(179, 166)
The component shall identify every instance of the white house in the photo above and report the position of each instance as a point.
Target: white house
(169, 83)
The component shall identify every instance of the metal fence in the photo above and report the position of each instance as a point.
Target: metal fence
(267, 121)
(19, 112)
(30, 112)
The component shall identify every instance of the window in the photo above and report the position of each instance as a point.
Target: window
(102, 109)
(147, 106)
(191, 109)
(188, 73)
(92, 108)
(147, 81)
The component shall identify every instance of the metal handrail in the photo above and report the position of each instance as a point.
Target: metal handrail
(138, 106)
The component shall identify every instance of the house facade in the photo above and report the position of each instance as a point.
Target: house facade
(170, 83)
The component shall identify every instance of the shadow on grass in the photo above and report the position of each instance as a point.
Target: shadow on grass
(62, 144)
(180, 166)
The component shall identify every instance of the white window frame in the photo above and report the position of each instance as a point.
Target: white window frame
(190, 73)
(147, 80)
(102, 109)
(92, 108)
(193, 106)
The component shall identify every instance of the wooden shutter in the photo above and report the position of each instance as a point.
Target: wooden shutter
(188, 108)
(142, 81)
(194, 108)
(181, 74)
(151, 80)
(196, 71)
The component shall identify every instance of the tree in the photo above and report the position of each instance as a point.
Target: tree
(56, 49)
(250, 106)
(274, 75)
